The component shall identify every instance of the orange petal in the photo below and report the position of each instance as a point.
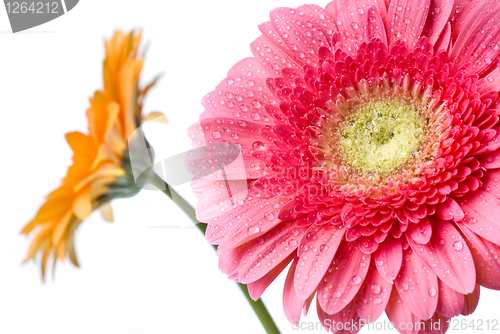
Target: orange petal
(60, 228)
(57, 204)
(82, 206)
(157, 117)
(107, 212)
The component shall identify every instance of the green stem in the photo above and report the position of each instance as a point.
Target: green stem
(258, 306)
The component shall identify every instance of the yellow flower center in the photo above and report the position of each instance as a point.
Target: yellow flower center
(381, 136)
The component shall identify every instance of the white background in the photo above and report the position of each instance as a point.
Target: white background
(134, 278)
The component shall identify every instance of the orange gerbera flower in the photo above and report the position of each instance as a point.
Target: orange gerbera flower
(101, 167)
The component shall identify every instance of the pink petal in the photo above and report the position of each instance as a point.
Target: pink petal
(450, 210)
(308, 303)
(492, 82)
(450, 303)
(491, 182)
(292, 305)
(468, 13)
(492, 160)
(242, 95)
(435, 325)
(302, 39)
(255, 216)
(398, 313)
(240, 132)
(417, 286)
(406, 20)
(439, 13)
(420, 233)
(320, 19)
(372, 298)
(272, 57)
(267, 252)
(229, 261)
(374, 26)
(469, 46)
(350, 16)
(471, 301)
(197, 137)
(482, 214)
(486, 275)
(248, 68)
(449, 257)
(388, 259)
(489, 251)
(343, 279)
(257, 288)
(346, 320)
(215, 199)
(316, 252)
(444, 41)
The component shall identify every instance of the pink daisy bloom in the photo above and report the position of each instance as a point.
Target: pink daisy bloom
(369, 136)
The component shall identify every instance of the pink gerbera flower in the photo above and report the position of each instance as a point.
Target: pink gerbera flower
(370, 138)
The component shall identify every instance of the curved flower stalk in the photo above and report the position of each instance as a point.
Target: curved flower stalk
(370, 138)
(101, 168)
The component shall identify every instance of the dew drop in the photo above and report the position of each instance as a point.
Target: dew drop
(376, 288)
(432, 292)
(458, 245)
(258, 145)
(216, 134)
(377, 301)
(356, 280)
(269, 216)
(323, 248)
(255, 166)
(405, 286)
(253, 230)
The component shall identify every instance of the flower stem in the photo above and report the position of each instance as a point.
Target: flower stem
(258, 306)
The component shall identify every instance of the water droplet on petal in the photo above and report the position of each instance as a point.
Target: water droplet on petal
(458, 245)
(376, 288)
(356, 280)
(216, 134)
(432, 292)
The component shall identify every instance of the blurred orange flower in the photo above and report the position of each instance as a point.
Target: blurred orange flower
(101, 168)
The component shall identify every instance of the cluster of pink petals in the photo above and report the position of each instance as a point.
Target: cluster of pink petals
(416, 244)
